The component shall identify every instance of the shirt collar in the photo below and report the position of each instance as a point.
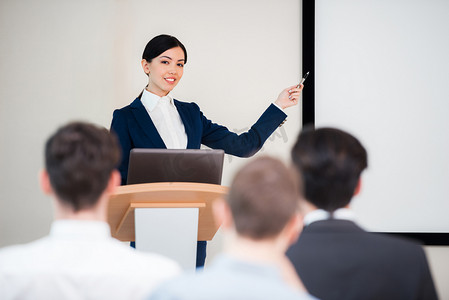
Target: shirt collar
(150, 100)
(321, 214)
(77, 229)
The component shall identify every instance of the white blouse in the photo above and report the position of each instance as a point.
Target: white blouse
(166, 119)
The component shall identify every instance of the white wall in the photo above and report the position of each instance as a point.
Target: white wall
(66, 60)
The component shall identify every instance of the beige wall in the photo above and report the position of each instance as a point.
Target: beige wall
(66, 60)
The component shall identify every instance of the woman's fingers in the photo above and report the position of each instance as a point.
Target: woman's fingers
(289, 96)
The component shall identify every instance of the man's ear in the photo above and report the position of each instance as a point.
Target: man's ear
(145, 66)
(44, 182)
(114, 181)
(358, 187)
(222, 213)
(294, 228)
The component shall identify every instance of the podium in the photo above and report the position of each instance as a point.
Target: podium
(165, 217)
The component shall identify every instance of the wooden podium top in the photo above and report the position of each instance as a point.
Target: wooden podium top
(163, 194)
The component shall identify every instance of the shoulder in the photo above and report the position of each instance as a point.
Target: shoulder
(198, 287)
(143, 260)
(382, 244)
(135, 104)
(399, 243)
(157, 261)
(186, 105)
(122, 116)
(184, 286)
(17, 256)
(221, 283)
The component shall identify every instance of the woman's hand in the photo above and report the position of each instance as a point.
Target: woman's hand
(289, 96)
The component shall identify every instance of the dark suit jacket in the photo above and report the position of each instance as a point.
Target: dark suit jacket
(135, 129)
(336, 259)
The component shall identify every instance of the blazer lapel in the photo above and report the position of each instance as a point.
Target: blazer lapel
(185, 117)
(144, 120)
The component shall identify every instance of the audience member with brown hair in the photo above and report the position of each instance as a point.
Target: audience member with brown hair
(79, 259)
(335, 258)
(260, 220)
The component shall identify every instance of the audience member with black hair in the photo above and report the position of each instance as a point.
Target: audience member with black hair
(335, 258)
(156, 120)
(79, 259)
(260, 219)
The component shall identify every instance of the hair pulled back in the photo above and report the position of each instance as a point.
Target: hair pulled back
(161, 43)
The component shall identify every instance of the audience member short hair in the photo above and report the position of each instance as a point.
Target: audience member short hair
(79, 159)
(331, 162)
(263, 197)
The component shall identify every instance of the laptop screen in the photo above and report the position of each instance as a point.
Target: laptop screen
(175, 165)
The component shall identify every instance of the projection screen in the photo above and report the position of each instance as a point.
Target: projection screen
(379, 70)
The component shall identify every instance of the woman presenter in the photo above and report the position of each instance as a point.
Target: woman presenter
(156, 120)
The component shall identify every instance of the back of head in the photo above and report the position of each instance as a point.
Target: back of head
(79, 159)
(330, 161)
(263, 197)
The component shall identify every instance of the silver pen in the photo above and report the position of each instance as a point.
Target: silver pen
(303, 79)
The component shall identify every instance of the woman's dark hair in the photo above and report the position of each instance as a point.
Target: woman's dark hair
(160, 44)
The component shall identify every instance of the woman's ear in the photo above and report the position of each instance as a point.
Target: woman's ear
(145, 66)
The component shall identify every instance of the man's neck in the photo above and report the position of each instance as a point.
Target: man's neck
(266, 251)
(307, 207)
(269, 251)
(84, 215)
(95, 213)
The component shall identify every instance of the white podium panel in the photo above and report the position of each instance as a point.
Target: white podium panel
(171, 232)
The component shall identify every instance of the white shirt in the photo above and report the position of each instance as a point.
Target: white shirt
(80, 260)
(321, 214)
(166, 119)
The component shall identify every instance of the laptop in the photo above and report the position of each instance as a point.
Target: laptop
(175, 165)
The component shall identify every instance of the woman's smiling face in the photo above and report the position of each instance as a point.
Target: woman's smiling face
(164, 71)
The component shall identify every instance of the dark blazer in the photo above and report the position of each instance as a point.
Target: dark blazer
(336, 259)
(135, 129)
